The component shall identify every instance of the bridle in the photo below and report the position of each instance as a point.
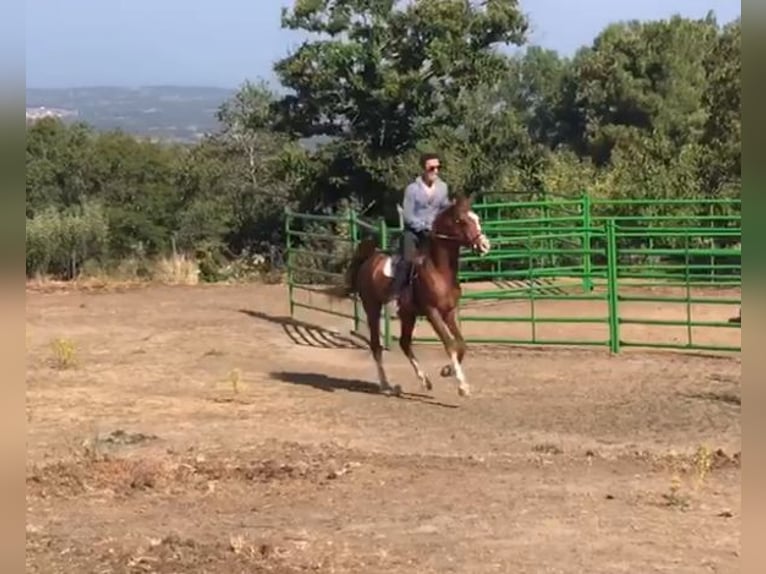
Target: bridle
(472, 241)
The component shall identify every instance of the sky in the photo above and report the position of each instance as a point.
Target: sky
(223, 43)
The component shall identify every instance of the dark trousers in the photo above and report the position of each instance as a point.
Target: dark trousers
(410, 243)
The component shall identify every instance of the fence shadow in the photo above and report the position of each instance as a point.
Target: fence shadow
(330, 384)
(307, 334)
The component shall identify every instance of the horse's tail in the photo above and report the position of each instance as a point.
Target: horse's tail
(362, 253)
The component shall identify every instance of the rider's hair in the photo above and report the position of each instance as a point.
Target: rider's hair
(424, 157)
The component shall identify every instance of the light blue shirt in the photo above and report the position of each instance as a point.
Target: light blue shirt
(419, 208)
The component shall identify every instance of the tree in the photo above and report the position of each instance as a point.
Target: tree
(56, 164)
(247, 121)
(534, 87)
(641, 78)
(136, 181)
(238, 181)
(383, 78)
(723, 102)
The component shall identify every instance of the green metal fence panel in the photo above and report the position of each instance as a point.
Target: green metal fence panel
(318, 248)
(551, 218)
(678, 297)
(678, 269)
(536, 285)
(537, 295)
(579, 271)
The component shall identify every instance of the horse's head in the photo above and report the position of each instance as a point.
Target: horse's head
(460, 223)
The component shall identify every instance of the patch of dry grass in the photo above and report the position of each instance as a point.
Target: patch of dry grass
(176, 270)
(130, 274)
(64, 353)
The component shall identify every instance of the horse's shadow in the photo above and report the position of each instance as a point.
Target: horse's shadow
(331, 384)
(307, 334)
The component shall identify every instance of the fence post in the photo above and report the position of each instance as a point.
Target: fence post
(383, 232)
(548, 243)
(585, 206)
(288, 262)
(354, 234)
(612, 286)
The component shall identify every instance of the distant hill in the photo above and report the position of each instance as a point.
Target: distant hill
(179, 113)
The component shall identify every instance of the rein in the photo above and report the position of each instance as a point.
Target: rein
(454, 237)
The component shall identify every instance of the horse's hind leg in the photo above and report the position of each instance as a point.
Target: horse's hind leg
(373, 311)
(405, 342)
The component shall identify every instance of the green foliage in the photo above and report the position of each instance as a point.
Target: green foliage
(648, 110)
(60, 242)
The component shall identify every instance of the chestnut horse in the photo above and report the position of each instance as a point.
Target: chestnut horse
(435, 290)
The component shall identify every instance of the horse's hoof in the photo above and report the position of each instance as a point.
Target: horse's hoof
(426, 384)
(390, 391)
(464, 390)
(447, 371)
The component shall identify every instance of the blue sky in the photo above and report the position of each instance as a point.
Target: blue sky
(200, 42)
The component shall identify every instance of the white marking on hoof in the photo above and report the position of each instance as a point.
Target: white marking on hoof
(462, 388)
(425, 382)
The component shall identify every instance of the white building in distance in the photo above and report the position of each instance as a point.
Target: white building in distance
(34, 114)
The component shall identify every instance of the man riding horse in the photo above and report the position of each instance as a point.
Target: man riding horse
(424, 198)
(448, 226)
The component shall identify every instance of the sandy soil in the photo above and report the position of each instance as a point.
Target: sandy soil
(197, 429)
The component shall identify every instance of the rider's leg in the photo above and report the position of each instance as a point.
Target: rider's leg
(403, 270)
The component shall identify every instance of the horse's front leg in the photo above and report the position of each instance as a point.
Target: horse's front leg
(452, 347)
(450, 319)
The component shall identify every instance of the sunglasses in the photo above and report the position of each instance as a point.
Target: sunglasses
(433, 168)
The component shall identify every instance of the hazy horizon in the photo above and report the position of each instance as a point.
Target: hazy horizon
(156, 45)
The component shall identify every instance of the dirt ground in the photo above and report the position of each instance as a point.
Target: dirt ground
(196, 429)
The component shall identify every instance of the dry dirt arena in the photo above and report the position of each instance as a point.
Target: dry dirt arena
(196, 429)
